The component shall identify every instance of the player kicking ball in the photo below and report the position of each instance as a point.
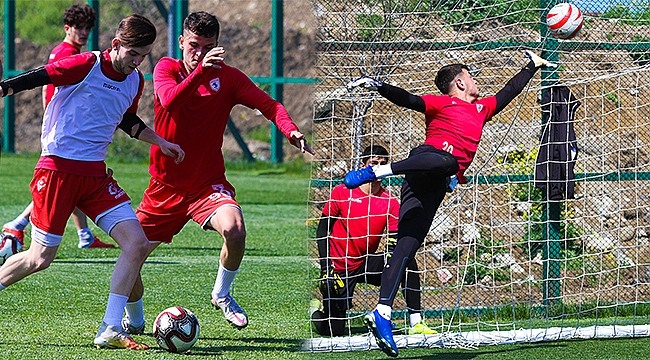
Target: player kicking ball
(96, 93)
(193, 98)
(454, 125)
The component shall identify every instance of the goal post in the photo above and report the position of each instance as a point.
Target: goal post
(502, 263)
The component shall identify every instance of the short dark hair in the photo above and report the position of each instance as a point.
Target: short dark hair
(79, 16)
(372, 151)
(136, 31)
(202, 24)
(446, 76)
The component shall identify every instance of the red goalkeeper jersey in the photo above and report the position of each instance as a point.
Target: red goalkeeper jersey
(455, 126)
(192, 111)
(360, 221)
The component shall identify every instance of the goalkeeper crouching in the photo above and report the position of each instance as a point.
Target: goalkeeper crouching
(349, 234)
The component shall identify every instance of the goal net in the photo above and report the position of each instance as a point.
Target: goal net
(503, 263)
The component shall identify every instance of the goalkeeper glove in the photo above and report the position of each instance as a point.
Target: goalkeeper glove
(538, 60)
(330, 282)
(365, 81)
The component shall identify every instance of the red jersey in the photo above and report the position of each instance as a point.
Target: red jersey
(455, 126)
(61, 51)
(360, 220)
(192, 111)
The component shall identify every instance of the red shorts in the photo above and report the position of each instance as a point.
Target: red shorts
(56, 194)
(164, 210)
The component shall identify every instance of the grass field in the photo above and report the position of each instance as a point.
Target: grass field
(55, 314)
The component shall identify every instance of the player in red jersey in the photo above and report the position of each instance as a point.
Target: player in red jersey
(193, 98)
(349, 232)
(454, 124)
(78, 20)
(96, 93)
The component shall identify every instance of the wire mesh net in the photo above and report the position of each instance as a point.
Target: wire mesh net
(499, 256)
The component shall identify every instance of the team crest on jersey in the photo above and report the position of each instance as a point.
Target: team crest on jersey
(41, 184)
(215, 84)
(479, 107)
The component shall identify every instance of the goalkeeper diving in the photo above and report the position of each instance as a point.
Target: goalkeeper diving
(454, 124)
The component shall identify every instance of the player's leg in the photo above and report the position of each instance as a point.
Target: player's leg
(331, 320)
(133, 322)
(162, 214)
(422, 159)
(16, 227)
(87, 239)
(38, 257)
(421, 196)
(127, 232)
(50, 209)
(413, 295)
(228, 220)
(113, 213)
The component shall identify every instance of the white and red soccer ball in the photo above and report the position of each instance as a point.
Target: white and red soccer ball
(564, 21)
(176, 329)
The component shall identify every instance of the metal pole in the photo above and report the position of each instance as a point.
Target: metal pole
(277, 70)
(9, 116)
(93, 44)
(551, 209)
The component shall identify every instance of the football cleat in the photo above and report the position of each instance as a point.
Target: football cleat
(421, 328)
(19, 234)
(452, 182)
(233, 313)
(96, 244)
(382, 329)
(130, 329)
(110, 337)
(356, 178)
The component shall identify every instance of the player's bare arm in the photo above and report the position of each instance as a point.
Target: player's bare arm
(137, 129)
(168, 148)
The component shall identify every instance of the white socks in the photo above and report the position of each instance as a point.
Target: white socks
(382, 170)
(415, 318)
(384, 311)
(85, 237)
(115, 309)
(135, 313)
(223, 282)
(19, 223)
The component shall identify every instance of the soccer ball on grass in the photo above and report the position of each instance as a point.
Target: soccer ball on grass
(9, 245)
(176, 329)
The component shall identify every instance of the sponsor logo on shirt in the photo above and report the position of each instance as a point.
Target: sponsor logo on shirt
(111, 87)
(355, 200)
(479, 107)
(215, 84)
(41, 184)
(115, 191)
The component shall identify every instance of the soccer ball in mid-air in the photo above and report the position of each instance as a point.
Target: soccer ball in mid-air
(564, 21)
(176, 329)
(9, 245)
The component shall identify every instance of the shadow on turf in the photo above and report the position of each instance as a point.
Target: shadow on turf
(100, 261)
(471, 354)
(256, 344)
